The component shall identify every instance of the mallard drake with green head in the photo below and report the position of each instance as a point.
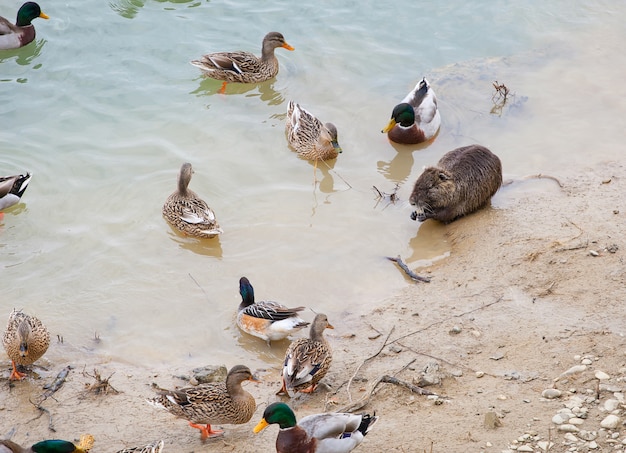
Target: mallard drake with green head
(209, 404)
(266, 319)
(334, 432)
(23, 32)
(12, 188)
(308, 136)
(154, 447)
(187, 212)
(417, 118)
(244, 67)
(307, 360)
(25, 341)
(50, 446)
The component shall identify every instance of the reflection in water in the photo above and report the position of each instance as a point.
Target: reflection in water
(273, 353)
(208, 247)
(130, 8)
(429, 245)
(24, 55)
(399, 168)
(265, 90)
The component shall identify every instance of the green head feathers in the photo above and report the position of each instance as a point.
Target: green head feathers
(27, 12)
(54, 446)
(403, 114)
(278, 413)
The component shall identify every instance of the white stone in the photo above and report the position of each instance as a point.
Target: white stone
(480, 374)
(551, 393)
(559, 419)
(527, 448)
(610, 422)
(586, 361)
(576, 421)
(592, 445)
(570, 437)
(610, 405)
(488, 444)
(573, 370)
(601, 375)
(567, 428)
(544, 445)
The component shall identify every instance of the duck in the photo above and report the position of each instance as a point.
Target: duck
(25, 340)
(210, 404)
(334, 432)
(12, 188)
(23, 32)
(154, 447)
(416, 119)
(50, 446)
(266, 319)
(185, 211)
(307, 360)
(308, 136)
(241, 66)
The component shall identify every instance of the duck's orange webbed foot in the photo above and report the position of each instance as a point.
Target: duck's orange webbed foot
(16, 375)
(222, 89)
(206, 431)
(309, 389)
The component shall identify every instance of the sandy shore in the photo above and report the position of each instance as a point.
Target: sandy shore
(530, 290)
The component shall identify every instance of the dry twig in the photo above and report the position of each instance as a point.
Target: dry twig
(100, 385)
(407, 271)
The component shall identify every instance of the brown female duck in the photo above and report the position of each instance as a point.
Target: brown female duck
(307, 360)
(211, 404)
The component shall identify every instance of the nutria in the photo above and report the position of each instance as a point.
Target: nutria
(463, 181)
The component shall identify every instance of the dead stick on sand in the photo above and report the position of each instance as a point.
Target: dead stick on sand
(409, 272)
(386, 379)
(367, 360)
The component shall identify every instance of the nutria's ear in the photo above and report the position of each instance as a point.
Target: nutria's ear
(443, 176)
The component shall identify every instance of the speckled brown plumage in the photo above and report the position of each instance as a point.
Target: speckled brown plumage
(244, 67)
(307, 360)
(187, 212)
(308, 136)
(25, 340)
(213, 403)
(154, 447)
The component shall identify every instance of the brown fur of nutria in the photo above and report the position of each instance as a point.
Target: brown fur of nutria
(463, 181)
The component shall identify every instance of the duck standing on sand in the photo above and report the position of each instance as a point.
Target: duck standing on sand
(23, 32)
(332, 432)
(187, 212)
(417, 118)
(241, 66)
(12, 188)
(25, 341)
(266, 319)
(211, 404)
(307, 360)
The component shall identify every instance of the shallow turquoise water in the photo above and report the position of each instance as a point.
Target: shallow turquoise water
(104, 107)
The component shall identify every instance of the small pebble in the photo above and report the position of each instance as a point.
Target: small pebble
(592, 445)
(480, 374)
(586, 361)
(559, 419)
(544, 445)
(570, 437)
(455, 330)
(576, 421)
(573, 370)
(593, 253)
(567, 428)
(525, 448)
(610, 405)
(610, 422)
(551, 393)
(601, 375)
